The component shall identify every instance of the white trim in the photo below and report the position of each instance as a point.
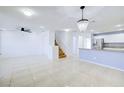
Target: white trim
(102, 65)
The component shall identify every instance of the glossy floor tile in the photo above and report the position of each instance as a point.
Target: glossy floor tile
(36, 71)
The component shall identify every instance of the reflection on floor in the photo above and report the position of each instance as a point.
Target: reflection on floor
(37, 71)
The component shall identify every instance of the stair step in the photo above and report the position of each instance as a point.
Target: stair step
(61, 52)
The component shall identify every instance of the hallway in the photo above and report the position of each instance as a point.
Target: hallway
(36, 71)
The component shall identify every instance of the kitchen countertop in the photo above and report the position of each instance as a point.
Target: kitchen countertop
(106, 50)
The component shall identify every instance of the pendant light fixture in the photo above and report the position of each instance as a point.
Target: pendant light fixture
(83, 23)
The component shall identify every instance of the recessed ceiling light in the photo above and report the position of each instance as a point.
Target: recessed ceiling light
(67, 30)
(27, 12)
(120, 29)
(119, 25)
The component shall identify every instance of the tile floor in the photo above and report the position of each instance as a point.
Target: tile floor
(41, 72)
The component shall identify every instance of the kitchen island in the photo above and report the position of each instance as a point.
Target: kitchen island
(110, 58)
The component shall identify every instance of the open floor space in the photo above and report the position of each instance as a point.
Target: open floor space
(61, 46)
(40, 72)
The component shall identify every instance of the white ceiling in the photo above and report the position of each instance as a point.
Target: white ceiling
(62, 17)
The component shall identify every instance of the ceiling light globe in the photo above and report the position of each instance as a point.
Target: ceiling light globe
(83, 24)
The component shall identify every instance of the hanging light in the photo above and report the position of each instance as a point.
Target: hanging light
(83, 23)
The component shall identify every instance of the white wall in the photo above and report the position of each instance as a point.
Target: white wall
(0, 42)
(80, 41)
(17, 43)
(49, 46)
(84, 40)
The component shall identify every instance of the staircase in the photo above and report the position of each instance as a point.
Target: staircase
(61, 52)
